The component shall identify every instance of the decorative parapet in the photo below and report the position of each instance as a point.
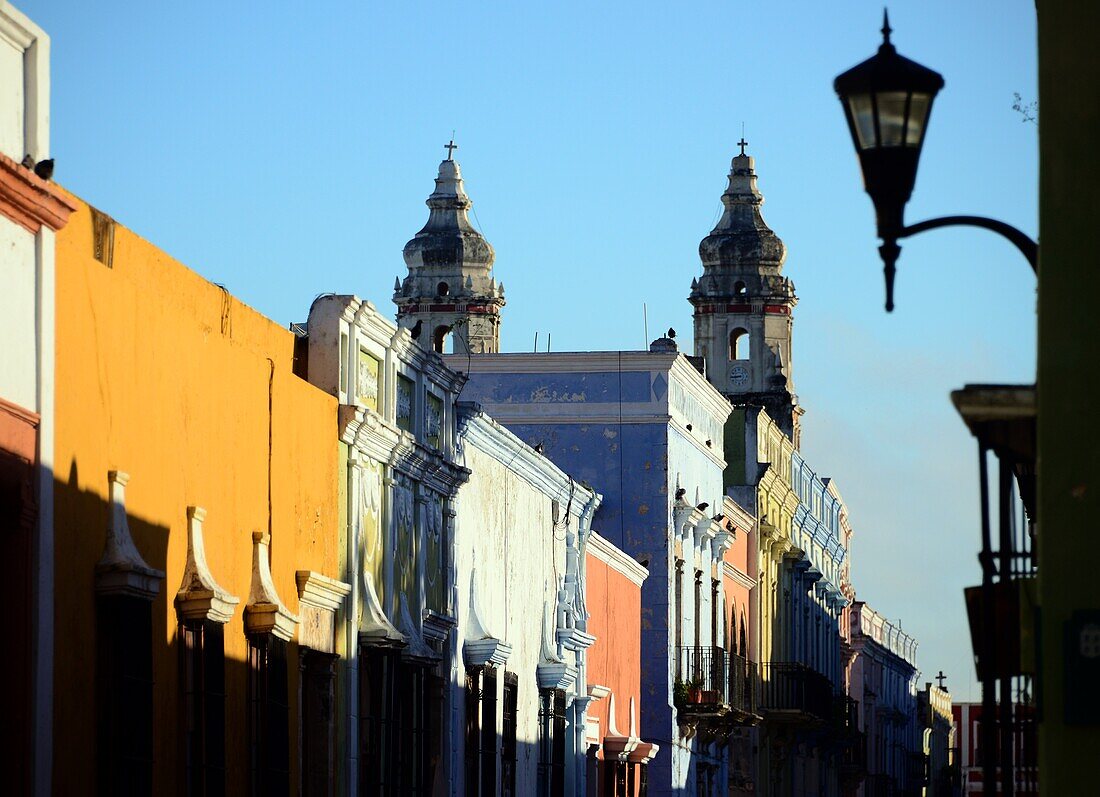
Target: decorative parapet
(121, 570)
(319, 598)
(265, 613)
(200, 597)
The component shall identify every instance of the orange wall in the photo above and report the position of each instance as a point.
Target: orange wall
(737, 596)
(614, 605)
(163, 375)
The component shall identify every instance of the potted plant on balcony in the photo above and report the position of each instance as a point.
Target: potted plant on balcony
(695, 691)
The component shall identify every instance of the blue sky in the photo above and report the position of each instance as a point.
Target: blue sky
(286, 150)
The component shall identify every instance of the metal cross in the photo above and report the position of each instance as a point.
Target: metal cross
(742, 143)
(941, 678)
(451, 147)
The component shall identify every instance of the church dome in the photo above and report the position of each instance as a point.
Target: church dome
(742, 239)
(448, 242)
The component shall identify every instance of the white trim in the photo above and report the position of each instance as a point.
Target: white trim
(605, 551)
(494, 440)
(320, 591)
(265, 613)
(733, 574)
(199, 596)
(121, 570)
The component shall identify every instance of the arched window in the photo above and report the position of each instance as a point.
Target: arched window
(743, 641)
(739, 289)
(739, 344)
(443, 288)
(439, 339)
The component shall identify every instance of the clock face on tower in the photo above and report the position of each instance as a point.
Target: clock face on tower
(739, 375)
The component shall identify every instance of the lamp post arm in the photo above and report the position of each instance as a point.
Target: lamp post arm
(1027, 247)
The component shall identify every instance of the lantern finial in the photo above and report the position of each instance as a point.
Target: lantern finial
(886, 29)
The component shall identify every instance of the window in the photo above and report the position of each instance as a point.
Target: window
(439, 339)
(481, 731)
(443, 289)
(739, 288)
(698, 605)
(678, 608)
(318, 764)
(551, 743)
(739, 344)
(377, 709)
(124, 683)
(715, 636)
(202, 679)
(508, 735)
(269, 716)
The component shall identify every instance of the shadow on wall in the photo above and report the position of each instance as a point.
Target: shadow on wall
(141, 708)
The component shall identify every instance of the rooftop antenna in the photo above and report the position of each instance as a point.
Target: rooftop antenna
(547, 342)
(645, 327)
(536, 349)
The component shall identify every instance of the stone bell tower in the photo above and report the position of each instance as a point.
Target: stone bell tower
(743, 304)
(450, 290)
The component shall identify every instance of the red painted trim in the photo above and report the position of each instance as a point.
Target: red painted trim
(474, 309)
(777, 309)
(19, 431)
(771, 309)
(30, 201)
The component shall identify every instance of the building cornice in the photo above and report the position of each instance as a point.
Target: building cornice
(477, 428)
(738, 576)
(31, 202)
(620, 562)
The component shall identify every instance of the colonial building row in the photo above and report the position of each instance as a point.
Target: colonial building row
(366, 556)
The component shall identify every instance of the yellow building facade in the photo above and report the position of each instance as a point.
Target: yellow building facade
(198, 475)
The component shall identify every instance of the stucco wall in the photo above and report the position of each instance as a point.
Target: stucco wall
(614, 607)
(19, 309)
(171, 379)
(508, 561)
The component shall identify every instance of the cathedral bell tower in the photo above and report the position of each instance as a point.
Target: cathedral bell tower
(743, 304)
(450, 298)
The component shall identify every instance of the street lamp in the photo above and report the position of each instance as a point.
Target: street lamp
(887, 100)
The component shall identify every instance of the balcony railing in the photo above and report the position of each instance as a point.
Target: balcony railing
(716, 677)
(794, 689)
(853, 758)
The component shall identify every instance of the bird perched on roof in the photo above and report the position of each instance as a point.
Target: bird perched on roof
(680, 494)
(540, 447)
(44, 169)
(416, 329)
(703, 506)
(28, 162)
(672, 333)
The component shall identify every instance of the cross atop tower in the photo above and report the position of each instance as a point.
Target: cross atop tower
(451, 147)
(742, 144)
(940, 678)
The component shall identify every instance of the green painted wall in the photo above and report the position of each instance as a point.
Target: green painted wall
(1068, 370)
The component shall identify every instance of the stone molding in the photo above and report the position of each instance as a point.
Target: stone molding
(417, 650)
(485, 652)
(555, 675)
(617, 560)
(265, 612)
(121, 570)
(319, 598)
(737, 576)
(30, 201)
(199, 596)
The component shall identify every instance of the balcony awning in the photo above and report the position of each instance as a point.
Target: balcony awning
(1002, 417)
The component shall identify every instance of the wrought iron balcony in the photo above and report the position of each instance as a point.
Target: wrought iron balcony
(879, 785)
(793, 692)
(716, 687)
(853, 759)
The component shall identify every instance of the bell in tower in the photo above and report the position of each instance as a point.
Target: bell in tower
(450, 291)
(743, 304)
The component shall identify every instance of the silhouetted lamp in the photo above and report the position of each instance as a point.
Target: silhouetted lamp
(887, 100)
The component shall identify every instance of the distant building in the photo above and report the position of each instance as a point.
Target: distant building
(1024, 755)
(937, 726)
(882, 679)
